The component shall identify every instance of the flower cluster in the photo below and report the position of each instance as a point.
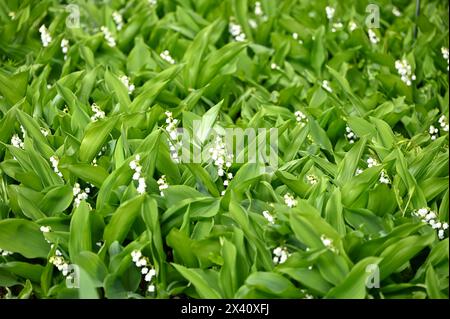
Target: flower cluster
(143, 263)
(337, 26)
(352, 26)
(174, 144)
(5, 253)
(165, 55)
(222, 159)
(118, 20)
(330, 11)
(46, 38)
(328, 243)
(270, 218)
(126, 81)
(312, 179)
(396, 12)
(98, 113)
(289, 200)
(64, 47)
(281, 254)
(295, 37)
(326, 86)
(430, 217)
(16, 141)
(45, 229)
(134, 165)
(373, 36)
(434, 132)
(108, 36)
(371, 162)
(350, 135)
(274, 66)
(258, 9)
(60, 263)
(384, 178)
(162, 184)
(443, 123)
(55, 162)
(405, 71)
(236, 31)
(80, 194)
(445, 55)
(301, 118)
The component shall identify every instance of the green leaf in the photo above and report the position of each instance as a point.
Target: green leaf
(95, 136)
(354, 285)
(200, 282)
(28, 239)
(80, 230)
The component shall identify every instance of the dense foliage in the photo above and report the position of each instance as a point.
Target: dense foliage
(92, 194)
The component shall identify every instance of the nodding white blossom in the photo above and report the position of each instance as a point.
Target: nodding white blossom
(328, 243)
(153, 2)
(396, 12)
(330, 12)
(64, 47)
(306, 295)
(281, 254)
(405, 71)
(358, 171)
(118, 20)
(45, 229)
(337, 26)
(162, 184)
(295, 36)
(443, 123)
(175, 142)
(136, 166)
(60, 263)
(98, 113)
(44, 131)
(55, 162)
(5, 253)
(373, 36)
(258, 9)
(222, 159)
(252, 23)
(80, 194)
(274, 66)
(384, 178)
(16, 141)
(289, 200)
(445, 55)
(371, 162)
(269, 217)
(165, 55)
(350, 135)
(326, 86)
(301, 118)
(236, 31)
(312, 179)
(352, 26)
(46, 38)
(146, 270)
(108, 36)
(12, 15)
(430, 217)
(126, 81)
(434, 132)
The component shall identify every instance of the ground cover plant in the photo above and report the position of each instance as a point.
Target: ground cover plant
(97, 201)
